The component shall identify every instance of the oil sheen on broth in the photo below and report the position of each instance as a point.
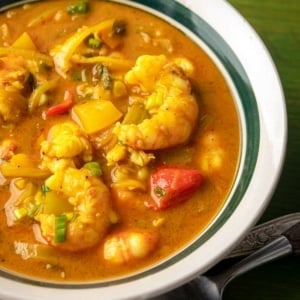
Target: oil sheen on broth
(119, 140)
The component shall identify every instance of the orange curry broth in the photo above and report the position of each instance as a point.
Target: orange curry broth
(217, 115)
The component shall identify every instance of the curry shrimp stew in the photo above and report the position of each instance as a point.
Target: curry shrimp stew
(119, 140)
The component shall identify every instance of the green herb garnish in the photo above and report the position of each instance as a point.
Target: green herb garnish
(78, 8)
(160, 192)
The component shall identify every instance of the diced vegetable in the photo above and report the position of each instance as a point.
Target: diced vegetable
(63, 53)
(78, 8)
(60, 233)
(182, 154)
(24, 41)
(21, 160)
(94, 168)
(172, 185)
(9, 170)
(35, 98)
(95, 115)
(63, 107)
(53, 203)
(119, 89)
(136, 114)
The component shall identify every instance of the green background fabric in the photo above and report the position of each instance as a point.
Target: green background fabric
(278, 24)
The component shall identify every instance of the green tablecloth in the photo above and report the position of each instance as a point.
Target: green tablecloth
(278, 24)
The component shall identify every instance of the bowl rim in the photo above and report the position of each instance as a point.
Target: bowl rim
(272, 134)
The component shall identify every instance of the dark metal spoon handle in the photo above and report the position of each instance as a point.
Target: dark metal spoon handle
(286, 244)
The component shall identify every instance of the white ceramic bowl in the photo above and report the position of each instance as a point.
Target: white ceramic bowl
(252, 77)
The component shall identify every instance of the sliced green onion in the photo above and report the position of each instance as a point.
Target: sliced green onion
(94, 168)
(60, 228)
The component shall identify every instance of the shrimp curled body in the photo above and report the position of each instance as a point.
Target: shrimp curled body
(172, 106)
(129, 246)
(90, 200)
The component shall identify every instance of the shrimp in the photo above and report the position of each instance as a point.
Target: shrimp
(127, 246)
(65, 141)
(90, 218)
(212, 155)
(172, 107)
(13, 86)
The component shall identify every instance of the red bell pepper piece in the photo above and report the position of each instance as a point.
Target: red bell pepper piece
(171, 185)
(63, 107)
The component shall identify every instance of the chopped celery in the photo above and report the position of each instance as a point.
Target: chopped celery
(136, 114)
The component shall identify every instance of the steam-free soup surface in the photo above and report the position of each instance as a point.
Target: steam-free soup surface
(119, 140)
